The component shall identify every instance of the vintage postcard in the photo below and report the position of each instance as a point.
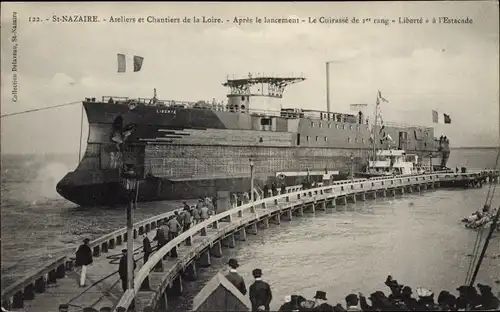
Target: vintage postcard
(250, 156)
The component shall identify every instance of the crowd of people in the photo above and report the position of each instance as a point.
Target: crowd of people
(481, 219)
(400, 299)
(170, 229)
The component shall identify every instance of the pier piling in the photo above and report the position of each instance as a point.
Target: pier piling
(218, 231)
(216, 250)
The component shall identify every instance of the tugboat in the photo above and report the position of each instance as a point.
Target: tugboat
(391, 162)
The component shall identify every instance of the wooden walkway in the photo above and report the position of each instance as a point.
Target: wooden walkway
(205, 239)
(106, 293)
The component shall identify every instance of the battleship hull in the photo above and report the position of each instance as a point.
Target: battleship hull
(183, 153)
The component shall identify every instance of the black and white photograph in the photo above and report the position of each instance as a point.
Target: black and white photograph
(250, 156)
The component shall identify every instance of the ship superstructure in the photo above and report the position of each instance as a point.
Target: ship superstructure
(190, 149)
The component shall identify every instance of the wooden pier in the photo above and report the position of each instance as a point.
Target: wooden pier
(162, 276)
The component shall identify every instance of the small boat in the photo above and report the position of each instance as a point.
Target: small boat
(390, 162)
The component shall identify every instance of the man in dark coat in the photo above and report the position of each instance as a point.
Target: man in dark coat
(283, 189)
(235, 278)
(146, 247)
(352, 302)
(174, 227)
(83, 259)
(487, 299)
(266, 191)
(122, 269)
(321, 304)
(409, 301)
(260, 292)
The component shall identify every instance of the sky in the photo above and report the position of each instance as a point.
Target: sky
(451, 68)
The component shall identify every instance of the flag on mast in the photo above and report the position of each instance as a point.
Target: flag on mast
(122, 63)
(138, 63)
(381, 97)
(441, 118)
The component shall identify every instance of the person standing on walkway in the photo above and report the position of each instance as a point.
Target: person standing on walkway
(260, 293)
(266, 191)
(160, 237)
(146, 247)
(180, 219)
(174, 228)
(196, 215)
(274, 190)
(211, 207)
(204, 213)
(83, 259)
(173, 231)
(235, 278)
(122, 269)
(187, 220)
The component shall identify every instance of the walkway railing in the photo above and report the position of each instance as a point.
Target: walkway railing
(339, 188)
(56, 269)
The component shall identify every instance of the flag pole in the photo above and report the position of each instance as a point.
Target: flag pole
(375, 128)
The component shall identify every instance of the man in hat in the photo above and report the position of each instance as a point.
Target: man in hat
(409, 301)
(234, 277)
(378, 299)
(446, 301)
(174, 228)
(260, 292)
(122, 269)
(395, 289)
(487, 299)
(146, 247)
(321, 304)
(426, 299)
(187, 219)
(352, 302)
(468, 298)
(83, 259)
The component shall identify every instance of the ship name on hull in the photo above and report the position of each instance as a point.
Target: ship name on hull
(166, 111)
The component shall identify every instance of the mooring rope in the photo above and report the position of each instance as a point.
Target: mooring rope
(39, 109)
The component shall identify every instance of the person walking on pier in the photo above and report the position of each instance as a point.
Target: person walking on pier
(266, 191)
(146, 247)
(173, 231)
(196, 215)
(180, 219)
(83, 259)
(274, 190)
(260, 293)
(204, 213)
(187, 220)
(235, 278)
(122, 269)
